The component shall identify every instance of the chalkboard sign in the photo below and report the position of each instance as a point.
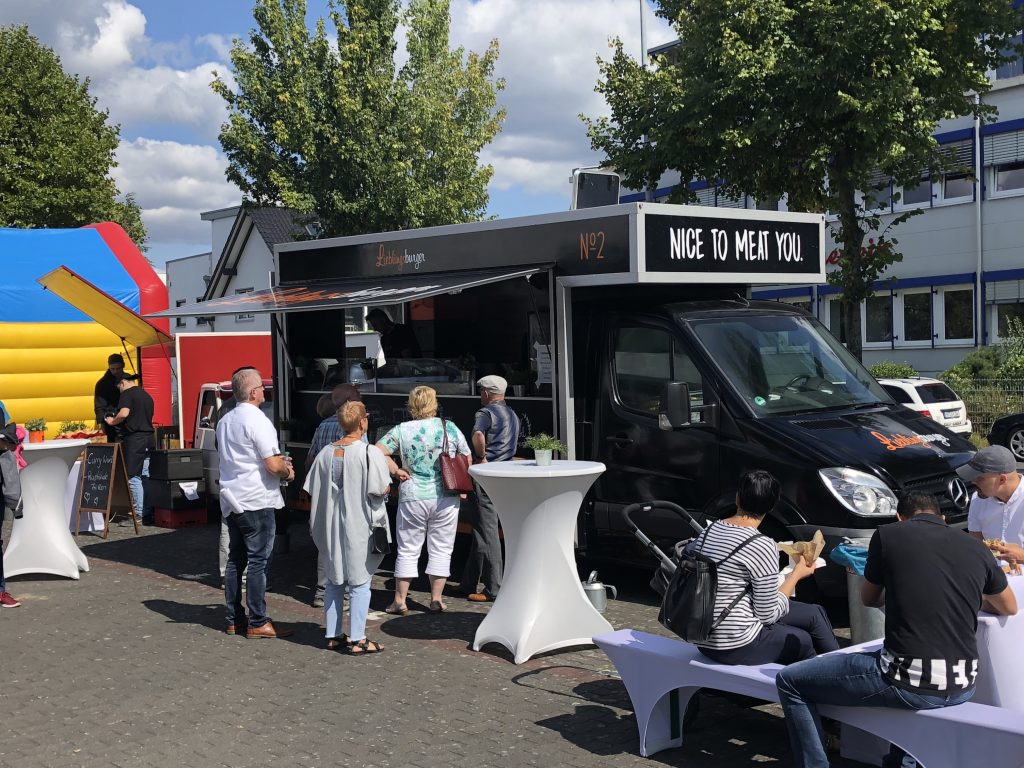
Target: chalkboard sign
(104, 484)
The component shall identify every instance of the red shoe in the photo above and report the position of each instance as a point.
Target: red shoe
(6, 601)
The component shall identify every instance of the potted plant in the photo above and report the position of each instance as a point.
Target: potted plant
(36, 430)
(467, 363)
(543, 445)
(518, 380)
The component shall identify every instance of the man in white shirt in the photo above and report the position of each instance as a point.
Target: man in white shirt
(251, 470)
(997, 510)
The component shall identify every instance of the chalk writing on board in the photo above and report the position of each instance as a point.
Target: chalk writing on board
(99, 472)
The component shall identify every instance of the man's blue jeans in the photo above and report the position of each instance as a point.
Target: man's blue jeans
(844, 679)
(138, 488)
(251, 542)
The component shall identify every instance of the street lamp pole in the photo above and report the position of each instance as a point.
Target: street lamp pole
(648, 192)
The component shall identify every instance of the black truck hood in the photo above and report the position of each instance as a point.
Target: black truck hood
(896, 443)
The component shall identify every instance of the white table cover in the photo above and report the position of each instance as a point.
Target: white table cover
(541, 605)
(41, 541)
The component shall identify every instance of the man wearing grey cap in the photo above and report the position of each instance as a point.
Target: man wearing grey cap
(495, 437)
(997, 509)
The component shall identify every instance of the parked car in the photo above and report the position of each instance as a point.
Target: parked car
(1009, 431)
(933, 399)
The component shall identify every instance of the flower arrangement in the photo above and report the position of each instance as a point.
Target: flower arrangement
(67, 427)
(36, 425)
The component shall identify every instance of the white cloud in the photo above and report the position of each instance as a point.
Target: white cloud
(162, 95)
(548, 52)
(174, 183)
(107, 47)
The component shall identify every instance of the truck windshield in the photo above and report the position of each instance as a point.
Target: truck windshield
(782, 364)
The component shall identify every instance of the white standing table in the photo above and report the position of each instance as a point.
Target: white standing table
(541, 605)
(1000, 641)
(40, 540)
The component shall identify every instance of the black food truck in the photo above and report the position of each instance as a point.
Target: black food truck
(626, 331)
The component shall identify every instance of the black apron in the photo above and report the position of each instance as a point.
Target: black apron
(135, 446)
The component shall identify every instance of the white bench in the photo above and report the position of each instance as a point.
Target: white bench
(661, 674)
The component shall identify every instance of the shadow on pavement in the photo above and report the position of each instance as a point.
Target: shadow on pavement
(212, 617)
(450, 625)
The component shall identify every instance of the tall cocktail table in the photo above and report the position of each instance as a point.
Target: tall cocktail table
(40, 540)
(541, 605)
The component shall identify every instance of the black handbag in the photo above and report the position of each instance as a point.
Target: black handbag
(379, 540)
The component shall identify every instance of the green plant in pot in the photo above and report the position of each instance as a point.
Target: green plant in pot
(36, 430)
(543, 445)
(518, 380)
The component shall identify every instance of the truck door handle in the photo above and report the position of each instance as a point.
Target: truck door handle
(619, 440)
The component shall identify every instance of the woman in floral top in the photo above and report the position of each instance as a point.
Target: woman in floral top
(425, 509)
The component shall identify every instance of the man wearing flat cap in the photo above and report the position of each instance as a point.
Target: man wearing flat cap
(495, 437)
(106, 395)
(997, 509)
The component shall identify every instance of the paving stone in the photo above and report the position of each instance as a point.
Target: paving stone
(129, 666)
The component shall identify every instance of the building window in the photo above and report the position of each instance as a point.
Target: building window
(877, 319)
(916, 196)
(916, 317)
(956, 307)
(1005, 299)
(179, 322)
(1004, 161)
(246, 316)
(836, 319)
(1013, 68)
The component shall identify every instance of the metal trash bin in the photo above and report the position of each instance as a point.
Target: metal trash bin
(865, 623)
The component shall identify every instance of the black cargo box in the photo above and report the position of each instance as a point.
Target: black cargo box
(178, 464)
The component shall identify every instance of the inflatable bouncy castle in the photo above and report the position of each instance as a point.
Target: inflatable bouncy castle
(52, 354)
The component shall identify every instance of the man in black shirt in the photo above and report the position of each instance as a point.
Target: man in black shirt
(135, 415)
(106, 395)
(933, 580)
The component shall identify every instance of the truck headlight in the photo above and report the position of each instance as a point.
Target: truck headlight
(863, 494)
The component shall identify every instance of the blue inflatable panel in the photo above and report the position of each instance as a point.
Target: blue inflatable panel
(26, 254)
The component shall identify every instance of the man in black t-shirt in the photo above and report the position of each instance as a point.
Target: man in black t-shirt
(396, 340)
(106, 394)
(135, 416)
(932, 580)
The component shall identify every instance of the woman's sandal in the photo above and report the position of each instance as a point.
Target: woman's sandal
(364, 647)
(436, 606)
(337, 643)
(397, 610)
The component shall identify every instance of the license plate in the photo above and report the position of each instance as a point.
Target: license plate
(951, 414)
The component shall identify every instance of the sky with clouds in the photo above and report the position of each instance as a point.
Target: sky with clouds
(151, 62)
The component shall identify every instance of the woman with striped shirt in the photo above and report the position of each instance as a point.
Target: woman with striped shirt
(765, 625)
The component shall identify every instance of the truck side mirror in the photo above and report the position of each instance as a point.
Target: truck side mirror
(675, 403)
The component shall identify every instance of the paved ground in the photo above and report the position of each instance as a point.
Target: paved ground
(129, 667)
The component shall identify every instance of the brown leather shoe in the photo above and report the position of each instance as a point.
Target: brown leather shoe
(236, 629)
(479, 597)
(268, 630)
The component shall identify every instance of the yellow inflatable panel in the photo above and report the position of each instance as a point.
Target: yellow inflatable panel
(49, 370)
(53, 335)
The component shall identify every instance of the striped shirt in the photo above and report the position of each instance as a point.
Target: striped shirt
(500, 427)
(755, 566)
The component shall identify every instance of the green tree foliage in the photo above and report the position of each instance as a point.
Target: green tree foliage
(331, 126)
(56, 148)
(888, 369)
(805, 98)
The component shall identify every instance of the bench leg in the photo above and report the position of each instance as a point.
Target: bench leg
(662, 726)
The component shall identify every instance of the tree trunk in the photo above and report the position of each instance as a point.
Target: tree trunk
(851, 236)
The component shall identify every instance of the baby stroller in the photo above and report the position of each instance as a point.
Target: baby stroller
(666, 567)
(666, 564)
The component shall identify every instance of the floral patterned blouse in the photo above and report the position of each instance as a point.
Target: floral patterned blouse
(418, 443)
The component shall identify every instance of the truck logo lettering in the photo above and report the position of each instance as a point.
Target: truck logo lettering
(894, 442)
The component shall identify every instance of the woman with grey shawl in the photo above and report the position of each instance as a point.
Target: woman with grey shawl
(348, 483)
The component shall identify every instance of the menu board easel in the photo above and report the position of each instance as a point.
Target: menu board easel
(105, 485)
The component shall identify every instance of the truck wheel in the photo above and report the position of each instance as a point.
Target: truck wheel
(1015, 442)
